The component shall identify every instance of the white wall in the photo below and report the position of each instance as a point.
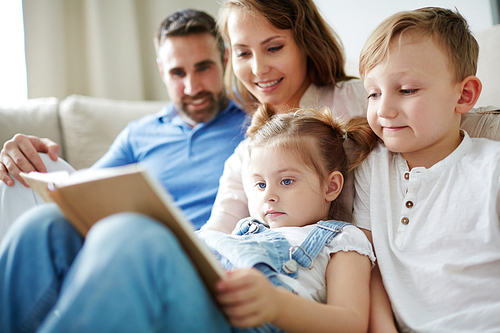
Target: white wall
(354, 20)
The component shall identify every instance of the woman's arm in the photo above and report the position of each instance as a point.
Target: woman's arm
(231, 203)
(249, 299)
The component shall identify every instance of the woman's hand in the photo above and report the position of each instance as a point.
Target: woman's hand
(248, 298)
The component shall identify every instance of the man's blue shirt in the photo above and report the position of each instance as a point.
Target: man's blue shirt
(188, 161)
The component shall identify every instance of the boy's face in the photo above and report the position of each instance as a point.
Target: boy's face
(412, 99)
(286, 192)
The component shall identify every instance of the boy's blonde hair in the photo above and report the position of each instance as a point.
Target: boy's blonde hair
(317, 139)
(314, 37)
(447, 28)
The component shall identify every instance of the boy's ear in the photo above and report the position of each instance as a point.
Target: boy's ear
(470, 89)
(335, 184)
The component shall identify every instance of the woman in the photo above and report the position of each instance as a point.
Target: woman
(283, 54)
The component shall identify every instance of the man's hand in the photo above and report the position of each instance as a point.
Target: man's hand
(21, 154)
(247, 298)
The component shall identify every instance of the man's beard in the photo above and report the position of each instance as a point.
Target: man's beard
(215, 105)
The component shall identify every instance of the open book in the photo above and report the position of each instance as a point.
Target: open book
(86, 196)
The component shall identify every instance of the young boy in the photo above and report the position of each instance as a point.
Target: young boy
(429, 193)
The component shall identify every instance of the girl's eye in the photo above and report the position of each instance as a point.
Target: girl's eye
(287, 182)
(261, 185)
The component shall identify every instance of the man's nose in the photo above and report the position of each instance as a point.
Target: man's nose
(192, 85)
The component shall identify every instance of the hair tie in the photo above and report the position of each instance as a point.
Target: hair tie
(344, 135)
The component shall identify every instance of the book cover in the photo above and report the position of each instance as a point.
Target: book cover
(87, 196)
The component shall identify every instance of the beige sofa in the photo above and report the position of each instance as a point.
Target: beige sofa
(86, 126)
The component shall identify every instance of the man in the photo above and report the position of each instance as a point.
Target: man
(184, 145)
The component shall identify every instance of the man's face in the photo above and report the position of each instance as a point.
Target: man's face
(192, 69)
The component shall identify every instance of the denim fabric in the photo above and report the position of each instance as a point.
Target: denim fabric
(130, 275)
(253, 244)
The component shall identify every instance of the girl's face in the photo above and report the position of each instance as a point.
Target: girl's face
(267, 60)
(287, 193)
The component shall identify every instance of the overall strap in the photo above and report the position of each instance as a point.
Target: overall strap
(249, 225)
(320, 236)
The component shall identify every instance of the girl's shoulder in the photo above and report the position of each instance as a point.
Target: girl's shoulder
(354, 239)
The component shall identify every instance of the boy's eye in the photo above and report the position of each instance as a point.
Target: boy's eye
(374, 96)
(408, 91)
(287, 182)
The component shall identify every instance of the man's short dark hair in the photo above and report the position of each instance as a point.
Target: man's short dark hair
(186, 22)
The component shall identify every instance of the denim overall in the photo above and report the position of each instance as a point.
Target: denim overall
(253, 244)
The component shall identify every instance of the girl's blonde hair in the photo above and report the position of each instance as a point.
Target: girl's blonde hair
(317, 139)
(316, 39)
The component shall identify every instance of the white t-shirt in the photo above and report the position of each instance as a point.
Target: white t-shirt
(436, 234)
(234, 200)
(311, 284)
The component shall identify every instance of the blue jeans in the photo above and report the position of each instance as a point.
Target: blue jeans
(129, 275)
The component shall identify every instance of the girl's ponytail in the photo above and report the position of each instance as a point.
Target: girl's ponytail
(261, 116)
(359, 132)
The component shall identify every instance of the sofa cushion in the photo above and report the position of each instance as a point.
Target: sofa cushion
(36, 116)
(483, 122)
(89, 125)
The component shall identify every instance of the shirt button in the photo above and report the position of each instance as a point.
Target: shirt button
(407, 175)
(409, 204)
(405, 220)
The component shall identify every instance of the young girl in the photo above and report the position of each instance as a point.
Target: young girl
(282, 53)
(298, 168)
(143, 281)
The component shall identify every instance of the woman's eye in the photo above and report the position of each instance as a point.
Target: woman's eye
(242, 54)
(287, 182)
(275, 48)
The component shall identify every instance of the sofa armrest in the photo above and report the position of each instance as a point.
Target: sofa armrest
(38, 116)
(89, 125)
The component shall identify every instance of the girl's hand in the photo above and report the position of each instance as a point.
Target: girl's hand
(248, 298)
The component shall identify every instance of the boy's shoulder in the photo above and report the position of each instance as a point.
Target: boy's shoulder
(484, 149)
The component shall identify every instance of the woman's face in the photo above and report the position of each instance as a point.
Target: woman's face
(267, 60)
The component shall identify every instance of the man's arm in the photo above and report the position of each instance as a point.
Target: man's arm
(21, 154)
